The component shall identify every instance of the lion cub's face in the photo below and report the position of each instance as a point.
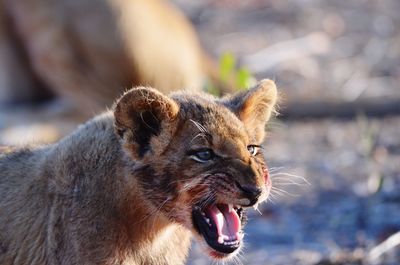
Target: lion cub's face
(199, 159)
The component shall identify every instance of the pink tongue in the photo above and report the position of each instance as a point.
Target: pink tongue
(228, 223)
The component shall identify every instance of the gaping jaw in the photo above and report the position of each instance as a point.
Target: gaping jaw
(221, 224)
(221, 227)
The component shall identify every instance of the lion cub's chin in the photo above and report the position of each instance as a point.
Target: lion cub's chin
(215, 254)
(219, 256)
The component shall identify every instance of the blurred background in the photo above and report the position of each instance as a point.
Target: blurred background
(334, 151)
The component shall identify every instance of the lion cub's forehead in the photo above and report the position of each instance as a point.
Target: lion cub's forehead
(204, 113)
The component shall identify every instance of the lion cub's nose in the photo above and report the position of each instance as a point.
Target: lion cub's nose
(251, 192)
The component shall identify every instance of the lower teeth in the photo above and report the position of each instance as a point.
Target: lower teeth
(230, 242)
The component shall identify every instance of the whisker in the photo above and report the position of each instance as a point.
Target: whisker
(199, 126)
(273, 169)
(291, 175)
(283, 177)
(276, 192)
(271, 199)
(208, 200)
(289, 183)
(188, 187)
(153, 212)
(201, 134)
(237, 260)
(158, 210)
(284, 192)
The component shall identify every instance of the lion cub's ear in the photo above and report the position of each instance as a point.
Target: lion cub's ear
(140, 114)
(254, 106)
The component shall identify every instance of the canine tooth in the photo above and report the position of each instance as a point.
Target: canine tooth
(255, 206)
(220, 240)
(230, 207)
(203, 214)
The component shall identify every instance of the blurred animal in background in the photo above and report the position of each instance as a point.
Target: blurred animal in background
(89, 51)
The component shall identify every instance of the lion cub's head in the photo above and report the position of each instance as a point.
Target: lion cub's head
(199, 160)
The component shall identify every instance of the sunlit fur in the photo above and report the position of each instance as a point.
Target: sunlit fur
(122, 187)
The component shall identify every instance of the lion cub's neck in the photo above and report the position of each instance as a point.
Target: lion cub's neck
(159, 240)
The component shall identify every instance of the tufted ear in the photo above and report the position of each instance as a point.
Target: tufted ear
(141, 114)
(254, 107)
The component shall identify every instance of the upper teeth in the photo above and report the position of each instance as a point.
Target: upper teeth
(230, 207)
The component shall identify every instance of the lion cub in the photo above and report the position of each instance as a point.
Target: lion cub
(133, 185)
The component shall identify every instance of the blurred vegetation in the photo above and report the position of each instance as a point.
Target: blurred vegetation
(230, 73)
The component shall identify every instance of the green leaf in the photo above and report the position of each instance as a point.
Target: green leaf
(243, 78)
(226, 65)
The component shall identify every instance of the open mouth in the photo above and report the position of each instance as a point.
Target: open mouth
(220, 225)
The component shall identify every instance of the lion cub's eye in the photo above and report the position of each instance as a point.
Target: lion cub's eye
(202, 155)
(253, 149)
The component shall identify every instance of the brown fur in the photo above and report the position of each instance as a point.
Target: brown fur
(91, 50)
(121, 188)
